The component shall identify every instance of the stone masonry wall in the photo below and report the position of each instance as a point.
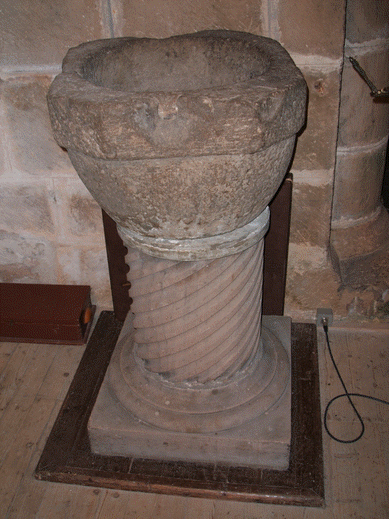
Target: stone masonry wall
(345, 189)
(360, 223)
(50, 227)
(313, 31)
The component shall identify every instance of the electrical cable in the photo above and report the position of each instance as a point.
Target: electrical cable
(343, 395)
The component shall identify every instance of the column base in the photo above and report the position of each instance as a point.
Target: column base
(67, 457)
(359, 252)
(261, 442)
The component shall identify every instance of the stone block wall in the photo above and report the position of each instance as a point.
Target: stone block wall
(360, 223)
(313, 31)
(50, 227)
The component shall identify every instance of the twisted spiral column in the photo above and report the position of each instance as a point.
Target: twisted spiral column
(196, 321)
(193, 357)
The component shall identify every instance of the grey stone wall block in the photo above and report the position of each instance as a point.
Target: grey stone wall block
(86, 265)
(79, 214)
(367, 20)
(84, 216)
(31, 145)
(358, 182)
(317, 143)
(163, 18)
(312, 26)
(94, 271)
(26, 208)
(2, 134)
(39, 33)
(3, 167)
(26, 259)
(68, 263)
(363, 120)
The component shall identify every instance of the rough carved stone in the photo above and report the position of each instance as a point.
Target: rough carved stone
(185, 137)
(184, 141)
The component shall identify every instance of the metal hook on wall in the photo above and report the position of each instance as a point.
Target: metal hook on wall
(374, 92)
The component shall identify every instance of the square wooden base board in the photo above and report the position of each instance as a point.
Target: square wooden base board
(67, 457)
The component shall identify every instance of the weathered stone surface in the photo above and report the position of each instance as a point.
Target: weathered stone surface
(312, 288)
(160, 19)
(362, 299)
(78, 216)
(311, 212)
(261, 442)
(316, 145)
(360, 225)
(68, 261)
(197, 320)
(210, 247)
(312, 26)
(362, 120)
(358, 182)
(24, 260)
(94, 265)
(85, 217)
(26, 209)
(86, 265)
(359, 237)
(368, 271)
(32, 148)
(355, 292)
(3, 165)
(367, 20)
(188, 197)
(202, 94)
(40, 34)
(185, 137)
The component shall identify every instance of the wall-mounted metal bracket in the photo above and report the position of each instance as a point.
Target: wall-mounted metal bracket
(374, 92)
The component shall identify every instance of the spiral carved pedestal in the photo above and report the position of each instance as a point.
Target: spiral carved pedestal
(196, 375)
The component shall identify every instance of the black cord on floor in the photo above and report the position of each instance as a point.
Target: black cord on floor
(347, 395)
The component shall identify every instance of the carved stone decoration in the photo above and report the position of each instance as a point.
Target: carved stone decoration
(183, 142)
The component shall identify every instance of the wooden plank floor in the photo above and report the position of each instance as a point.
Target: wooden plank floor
(33, 383)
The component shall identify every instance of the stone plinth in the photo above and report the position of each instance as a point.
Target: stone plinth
(263, 441)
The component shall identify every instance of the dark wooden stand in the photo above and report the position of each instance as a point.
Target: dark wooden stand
(46, 314)
(67, 457)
